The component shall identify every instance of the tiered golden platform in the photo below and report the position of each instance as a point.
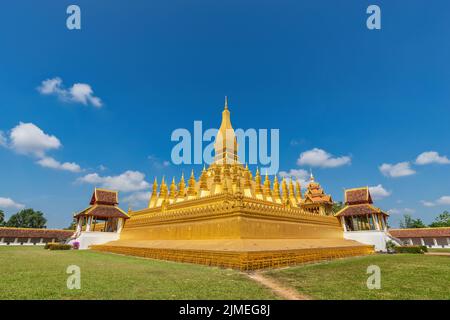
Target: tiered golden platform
(227, 231)
(228, 218)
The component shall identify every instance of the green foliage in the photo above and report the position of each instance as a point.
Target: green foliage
(72, 226)
(443, 220)
(337, 206)
(409, 222)
(57, 246)
(390, 246)
(27, 218)
(2, 218)
(411, 249)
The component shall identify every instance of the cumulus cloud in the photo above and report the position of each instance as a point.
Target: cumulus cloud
(320, 158)
(29, 139)
(137, 198)
(3, 141)
(443, 201)
(158, 163)
(128, 181)
(295, 174)
(401, 211)
(8, 203)
(78, 93)
(49, 162)
(378, 192)
(400, 169)
(431, 157)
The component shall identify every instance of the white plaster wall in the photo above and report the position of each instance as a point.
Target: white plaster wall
(371, 237)
(88, 238)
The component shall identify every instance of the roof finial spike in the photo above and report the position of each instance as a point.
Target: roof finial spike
(311, 177)
(226, 103)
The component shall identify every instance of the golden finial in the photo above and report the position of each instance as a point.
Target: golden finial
(226, 103)
(311, 176)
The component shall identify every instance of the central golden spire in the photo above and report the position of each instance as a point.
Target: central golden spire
(225, 145)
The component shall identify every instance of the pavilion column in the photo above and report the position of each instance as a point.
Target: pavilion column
(422, 242)
(411, 241)
(448, 241)
(435, 242)
(88, 224)
(343, 224)
(79, 225)
(119, 225)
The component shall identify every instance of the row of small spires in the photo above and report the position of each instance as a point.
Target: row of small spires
(170, 194)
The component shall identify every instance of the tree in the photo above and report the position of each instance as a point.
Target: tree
(337, 206)
(2, 218)
(27, 218)
(443, 220)
(72, 226)
(409, 222)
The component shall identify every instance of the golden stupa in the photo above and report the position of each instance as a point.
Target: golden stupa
(229, 218)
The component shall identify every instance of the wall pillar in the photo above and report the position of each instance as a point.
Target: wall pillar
(88, 224)
(343, 224)
(119, 224)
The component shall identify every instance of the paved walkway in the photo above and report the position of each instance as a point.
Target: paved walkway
(438, 254)
(276, 287)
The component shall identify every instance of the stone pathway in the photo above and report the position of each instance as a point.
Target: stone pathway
(276, 287)
(438, 254)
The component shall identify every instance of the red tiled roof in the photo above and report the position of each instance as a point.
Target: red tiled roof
(358, 196)
(102, 196)
(103, 211)
(35, 233)
(420, 232)
(358, 210)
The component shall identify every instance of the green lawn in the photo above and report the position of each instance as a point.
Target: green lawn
(446, 250)
(403, 276)
(35, 273)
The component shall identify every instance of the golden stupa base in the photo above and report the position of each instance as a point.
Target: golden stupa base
(241, 254)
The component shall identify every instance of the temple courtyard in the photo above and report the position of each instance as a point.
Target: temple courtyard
(35, 273)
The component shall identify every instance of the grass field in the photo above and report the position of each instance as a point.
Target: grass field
(402, 277)
(35, 273)
(446, 250)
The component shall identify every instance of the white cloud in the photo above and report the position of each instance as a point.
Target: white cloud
(27, 138)
(428, 203)
(444, 201)
(49, 162)
(127, 182)
(401, 211)
(320, 158)
(431, 157)
(8, 203)
(400, 169)
(137, 198)
(379, 192)
(296, 174)
(79, 92)
(158, 163)
(3, 141)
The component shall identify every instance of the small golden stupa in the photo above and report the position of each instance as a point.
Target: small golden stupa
(229, 218)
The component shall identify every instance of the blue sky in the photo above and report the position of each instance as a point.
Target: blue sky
(310, 68)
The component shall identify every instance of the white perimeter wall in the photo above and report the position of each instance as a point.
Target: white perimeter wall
(375, 238)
